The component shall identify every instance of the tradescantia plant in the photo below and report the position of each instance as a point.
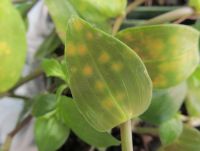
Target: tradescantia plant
(107, 77)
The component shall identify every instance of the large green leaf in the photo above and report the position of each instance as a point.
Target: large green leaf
(193, 96)
(96, 10)
(170, 52)
(73, 118)
(108, 80)
(60, 11)
(165, 104)
(50, 133)
(189, 140)
(12, 45)
(170, 130)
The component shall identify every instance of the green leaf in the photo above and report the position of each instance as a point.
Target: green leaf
(48, 46)
(12, 45)
(24, 7)
(188, 141)
(170, 52)
(43, 104)
(165, 104)
(193, 96)
(73, 118)
(100, 10)
(195, 4)
(108, 80)
(53, 68)
(60, 11)
(50, 133)
(170, 130)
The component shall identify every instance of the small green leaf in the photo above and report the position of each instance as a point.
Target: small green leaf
(12, 45)
(195, 4)
(73, 118)
(170, 52)
(60, 11)
(189, 140)
(48, 46)
(170, 130)
(193, 96)
(53, 68)
(43, 104)
(50, 133)
(108, 80)
(100, 10)
(165, 104)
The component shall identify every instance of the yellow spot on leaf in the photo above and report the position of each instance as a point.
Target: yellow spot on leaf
(89, 36)
(120, 96)
(117, 67)
(71, 49)
(78, 26)
(99, 85)
(160, 80)
(128, 37)
(87, 70)
(82, 49)
(157, 48)
(104, 57)
(4, 48)
(107, 103)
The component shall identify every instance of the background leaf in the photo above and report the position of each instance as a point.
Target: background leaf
(193, 96)
(12, 45)
(73, 118)
(107, 78)
(170, 52)
(165, 104)
(188, 141)
(100, 10)
(50, 133)
(60, 11)
(170, 130)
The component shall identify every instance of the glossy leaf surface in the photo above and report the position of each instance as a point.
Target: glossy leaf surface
(73, 118)
(108, 80)
(99, 9)
(170, 52)
(193, 97)
(189, 140)
(50, 133)
(170, 130)
(60, 11)
(165, 104)
(53, 68)
(43, 104)
(12, 45)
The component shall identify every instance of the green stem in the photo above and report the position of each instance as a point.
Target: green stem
(28, 78)
(126, 136)
(121, 18)
(170, 16)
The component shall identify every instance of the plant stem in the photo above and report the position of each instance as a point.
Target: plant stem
(126, 136)
(6, 146)
(121, 18)
(171, 16)
(28, 78)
